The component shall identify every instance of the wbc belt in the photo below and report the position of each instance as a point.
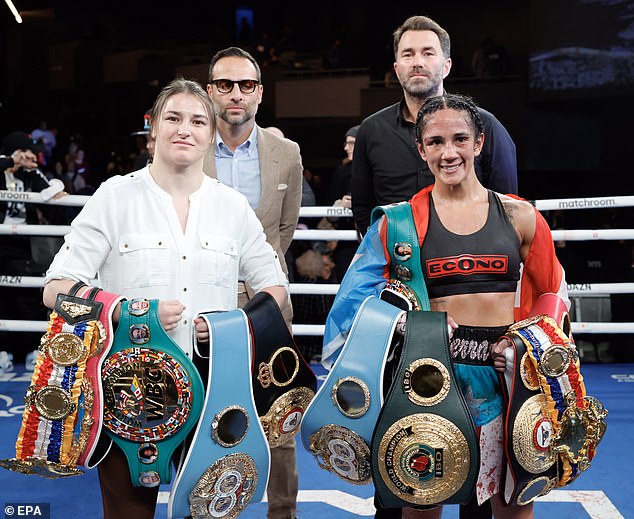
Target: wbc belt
(58, 406)
(424, 446)
(227, 465)
(283, 383)
(338, 424)
(153, 394)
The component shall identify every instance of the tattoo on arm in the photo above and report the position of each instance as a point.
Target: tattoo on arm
(510, 211)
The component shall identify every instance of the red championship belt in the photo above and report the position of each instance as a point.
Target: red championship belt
(93, 372)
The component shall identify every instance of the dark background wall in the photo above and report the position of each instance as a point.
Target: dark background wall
(94, 70)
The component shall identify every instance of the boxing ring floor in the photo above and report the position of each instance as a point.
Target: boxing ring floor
(605, 491)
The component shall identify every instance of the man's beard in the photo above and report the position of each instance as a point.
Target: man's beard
(235, 121)
(423, 89)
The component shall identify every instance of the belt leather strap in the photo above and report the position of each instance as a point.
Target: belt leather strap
(153, 394)
(228, 463)
(338, 424)
(283, 383)
(424, 447)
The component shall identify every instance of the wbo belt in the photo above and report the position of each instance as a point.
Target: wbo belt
(227, 465)
(153, 394)
(283, 383)
(424, 446)
(338, 424)
(570, 423)
(58, 406)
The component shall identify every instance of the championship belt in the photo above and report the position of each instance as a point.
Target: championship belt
(406, 272)
(283, 383)
(227, 465)
(424, 447)
(93, 370)
(58, 406)
(153, 394)
(338, 424)
(553, 427)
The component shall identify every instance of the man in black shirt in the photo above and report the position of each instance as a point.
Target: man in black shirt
(386, 166)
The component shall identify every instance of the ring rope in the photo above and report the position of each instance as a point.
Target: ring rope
(328, 235)
(600, 202)
(574, 289)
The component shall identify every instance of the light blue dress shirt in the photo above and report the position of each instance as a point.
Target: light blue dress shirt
(240, 169)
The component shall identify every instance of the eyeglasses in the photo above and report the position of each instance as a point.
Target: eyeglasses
(247, 86)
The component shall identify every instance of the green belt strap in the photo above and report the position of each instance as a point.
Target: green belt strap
(401, 228)
(424, 446)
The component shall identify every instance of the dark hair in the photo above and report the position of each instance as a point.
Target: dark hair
(181, 85)
(456, 102)
(233, 52)
(423, 23)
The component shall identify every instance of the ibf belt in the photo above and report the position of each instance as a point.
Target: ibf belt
(578, 420)
(227, 465)
(338, 424)
(59, 402)
(424, 446)
(283, 383)
(153, 394)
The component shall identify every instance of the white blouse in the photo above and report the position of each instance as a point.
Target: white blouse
(128, 240)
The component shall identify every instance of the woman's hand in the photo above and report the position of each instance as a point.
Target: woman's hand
(170, 313)
(402, 322)
(202, 330)
(498, 354)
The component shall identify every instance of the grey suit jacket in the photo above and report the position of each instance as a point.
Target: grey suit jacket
(281, 173)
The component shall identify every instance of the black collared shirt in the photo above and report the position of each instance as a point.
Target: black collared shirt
(387, 167)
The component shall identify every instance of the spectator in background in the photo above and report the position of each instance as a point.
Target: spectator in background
(25, 255)
(314, 265)
(340, 196)
(45, 136)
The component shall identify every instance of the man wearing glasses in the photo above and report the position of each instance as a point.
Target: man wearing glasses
(267, 170)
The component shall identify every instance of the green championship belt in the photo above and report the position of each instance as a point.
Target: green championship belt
(424, 445)
(406, 272)
(153, 394)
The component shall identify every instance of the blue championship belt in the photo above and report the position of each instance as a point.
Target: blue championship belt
(228, 463)
(338, 424)
(153, 394)
(424, 446)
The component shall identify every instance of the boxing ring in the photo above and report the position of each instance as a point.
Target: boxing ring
(601, 493)
(575, 290)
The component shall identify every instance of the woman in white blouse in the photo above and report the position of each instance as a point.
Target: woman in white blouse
(166, 232)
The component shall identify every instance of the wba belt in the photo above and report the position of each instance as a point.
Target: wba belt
(58, 406)
(566, 424)
(424, 446)
(338, 424)
(153, 394)
(283, 383)
(228, 462)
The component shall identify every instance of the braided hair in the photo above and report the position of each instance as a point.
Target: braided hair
(456, 102)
